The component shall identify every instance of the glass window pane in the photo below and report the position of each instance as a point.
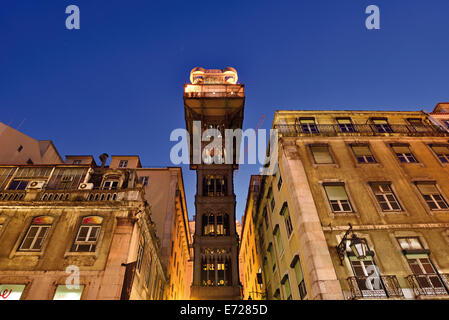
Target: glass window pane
(11, 291)
(64, 293)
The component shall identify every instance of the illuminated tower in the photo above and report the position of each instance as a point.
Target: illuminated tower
(214, 100)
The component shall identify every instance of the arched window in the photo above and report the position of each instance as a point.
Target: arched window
(36, 234)
(87, 236)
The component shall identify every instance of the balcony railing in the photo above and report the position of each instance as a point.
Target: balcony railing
(293, 130)
(365, 287)
(429, 284)
(70, 195)
(214, 91)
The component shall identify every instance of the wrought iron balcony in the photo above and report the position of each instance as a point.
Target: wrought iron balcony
(294, 130)
(429, 284)
(365, 287)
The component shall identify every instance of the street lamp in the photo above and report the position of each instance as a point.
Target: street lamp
(358, 246)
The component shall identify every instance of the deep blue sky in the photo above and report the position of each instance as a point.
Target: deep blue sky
(116, 84)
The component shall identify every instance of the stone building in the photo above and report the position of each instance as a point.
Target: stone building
(60, 221)
(440, 115)
(358, 208)
(18, 148)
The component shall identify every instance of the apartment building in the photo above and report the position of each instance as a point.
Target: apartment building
(358, 208)
(440, 115)
(77, 231)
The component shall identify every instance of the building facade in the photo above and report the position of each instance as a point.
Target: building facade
(440, 115)
(214, 100)
(77, 232)
(358, 208)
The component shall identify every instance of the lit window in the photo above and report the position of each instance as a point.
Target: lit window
(385, 197)
(338, 198)
(432, 196)
(410, 243)
(345, 125)
(442, 152)
(86, 239)
(64, 292)
(36, 234)
(321, 154)
(363, 153)
(403, 153)
(382, 126)
(123, 164)
(308, 125)
(11, 291)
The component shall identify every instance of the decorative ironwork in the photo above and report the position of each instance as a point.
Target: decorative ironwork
(293, 130)
(389, 287)
(12, 196)
(429, 284)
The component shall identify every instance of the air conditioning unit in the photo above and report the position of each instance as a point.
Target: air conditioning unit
(86, 186)
(36, 184)
(67, 179)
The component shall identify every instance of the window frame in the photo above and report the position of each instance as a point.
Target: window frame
(385, 195)
(329, 151)
(440, 193)
(48, 229)
(350, 202)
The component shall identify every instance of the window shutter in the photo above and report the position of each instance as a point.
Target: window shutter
(321, 154)
(336, 192)
(427, 188)
(361, 150)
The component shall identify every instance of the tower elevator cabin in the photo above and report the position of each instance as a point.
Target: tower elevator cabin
(214, 100)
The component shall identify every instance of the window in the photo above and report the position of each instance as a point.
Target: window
(280, 182)
(426, 276)
(110, 183)
(432, 196)
(381, 125)
(17, 184)
(308, 125)
(215, 224)
(87, 237)
(277, 235)
(270, 249)
(338, 198)
(63, 292)
(265, 217)
(286, 286)
(20, 148)
(214, 186)
(296, 265)
(11, 291)
(144, 181)
(410, 243)
(363, 153)
(403, 153)
(123, 164)
(272, 204)
(345, 125)
(446, 123)
(140, 251)
(321, 154)
(288, 222)
(36, 234)
(441, 151)
(385, 196)
(418, 125)
(148, 274)
(364, 270)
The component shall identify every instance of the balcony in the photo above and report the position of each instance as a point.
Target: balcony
(362, 287)
(70, 195)
(429, 284)
(192, 91)
(295, 130)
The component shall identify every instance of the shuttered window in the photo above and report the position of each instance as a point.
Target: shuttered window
(363, 153)
(321, 154)
(432, 196)
(338, 198)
